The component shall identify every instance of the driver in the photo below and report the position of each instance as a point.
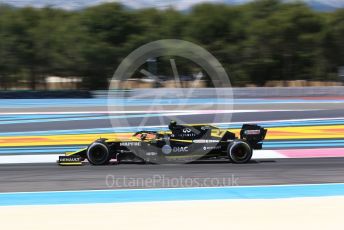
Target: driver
(172, 125)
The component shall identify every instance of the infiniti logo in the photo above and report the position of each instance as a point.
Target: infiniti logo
(186, 130)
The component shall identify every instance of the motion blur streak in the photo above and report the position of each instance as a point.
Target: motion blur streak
(276, 133)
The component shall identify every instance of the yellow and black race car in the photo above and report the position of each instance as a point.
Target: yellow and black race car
(182, 143)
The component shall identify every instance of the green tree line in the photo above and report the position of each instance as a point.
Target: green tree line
(256, 42)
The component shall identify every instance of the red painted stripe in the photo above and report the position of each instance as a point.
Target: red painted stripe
(305, 98)
(312, 153)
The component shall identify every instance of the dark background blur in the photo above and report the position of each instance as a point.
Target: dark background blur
(261, 43)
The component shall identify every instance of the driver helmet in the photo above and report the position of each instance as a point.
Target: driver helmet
(172, 124)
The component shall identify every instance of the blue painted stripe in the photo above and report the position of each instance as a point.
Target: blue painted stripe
(106, 117)
(61, 132)
(37, 151)
(303, 144)
(155, 195)
(39, 147)
(99, 117)
(104, 102)
(90, 116)
(46, 116)
(302, 123)
(21, 103)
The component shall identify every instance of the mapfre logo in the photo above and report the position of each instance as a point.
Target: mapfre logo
(180, 149)
(130, 144)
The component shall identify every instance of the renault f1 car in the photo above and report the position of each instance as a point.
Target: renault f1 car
(181, 143)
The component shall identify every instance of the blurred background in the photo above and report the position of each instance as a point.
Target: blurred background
(62, 44)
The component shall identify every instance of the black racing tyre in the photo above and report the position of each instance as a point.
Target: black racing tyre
(98, 153)
(239, 152)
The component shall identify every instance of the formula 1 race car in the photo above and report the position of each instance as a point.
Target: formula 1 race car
(181, 143)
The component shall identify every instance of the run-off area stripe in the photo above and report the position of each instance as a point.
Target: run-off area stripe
(257, 154)
(52, 158)
(175, 194)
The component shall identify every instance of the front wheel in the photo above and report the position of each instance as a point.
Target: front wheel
(239, 152)
(98, 153)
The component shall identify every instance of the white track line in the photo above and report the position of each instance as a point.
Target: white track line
(145, 112)
(267, 154)
(52, 158)
(27, 159)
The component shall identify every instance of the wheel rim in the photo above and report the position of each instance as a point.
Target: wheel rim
(98, 154)
(240, 152)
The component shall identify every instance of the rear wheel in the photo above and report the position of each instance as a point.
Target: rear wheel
(239, 152)
(98, 154)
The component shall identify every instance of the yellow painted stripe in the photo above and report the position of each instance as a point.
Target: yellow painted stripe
(186, 141)
(72, 153)
(76, 139)
(307, 132)
(70, 163)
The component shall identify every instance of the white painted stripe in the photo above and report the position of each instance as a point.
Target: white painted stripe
(258, 121)
(290, 120)
(145, 112)
(267, 154)
(52, 158)
(26, 159)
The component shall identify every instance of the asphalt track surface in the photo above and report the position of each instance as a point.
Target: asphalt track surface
(200, 118)
(50, 177)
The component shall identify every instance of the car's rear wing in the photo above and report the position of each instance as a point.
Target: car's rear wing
(253, 134)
